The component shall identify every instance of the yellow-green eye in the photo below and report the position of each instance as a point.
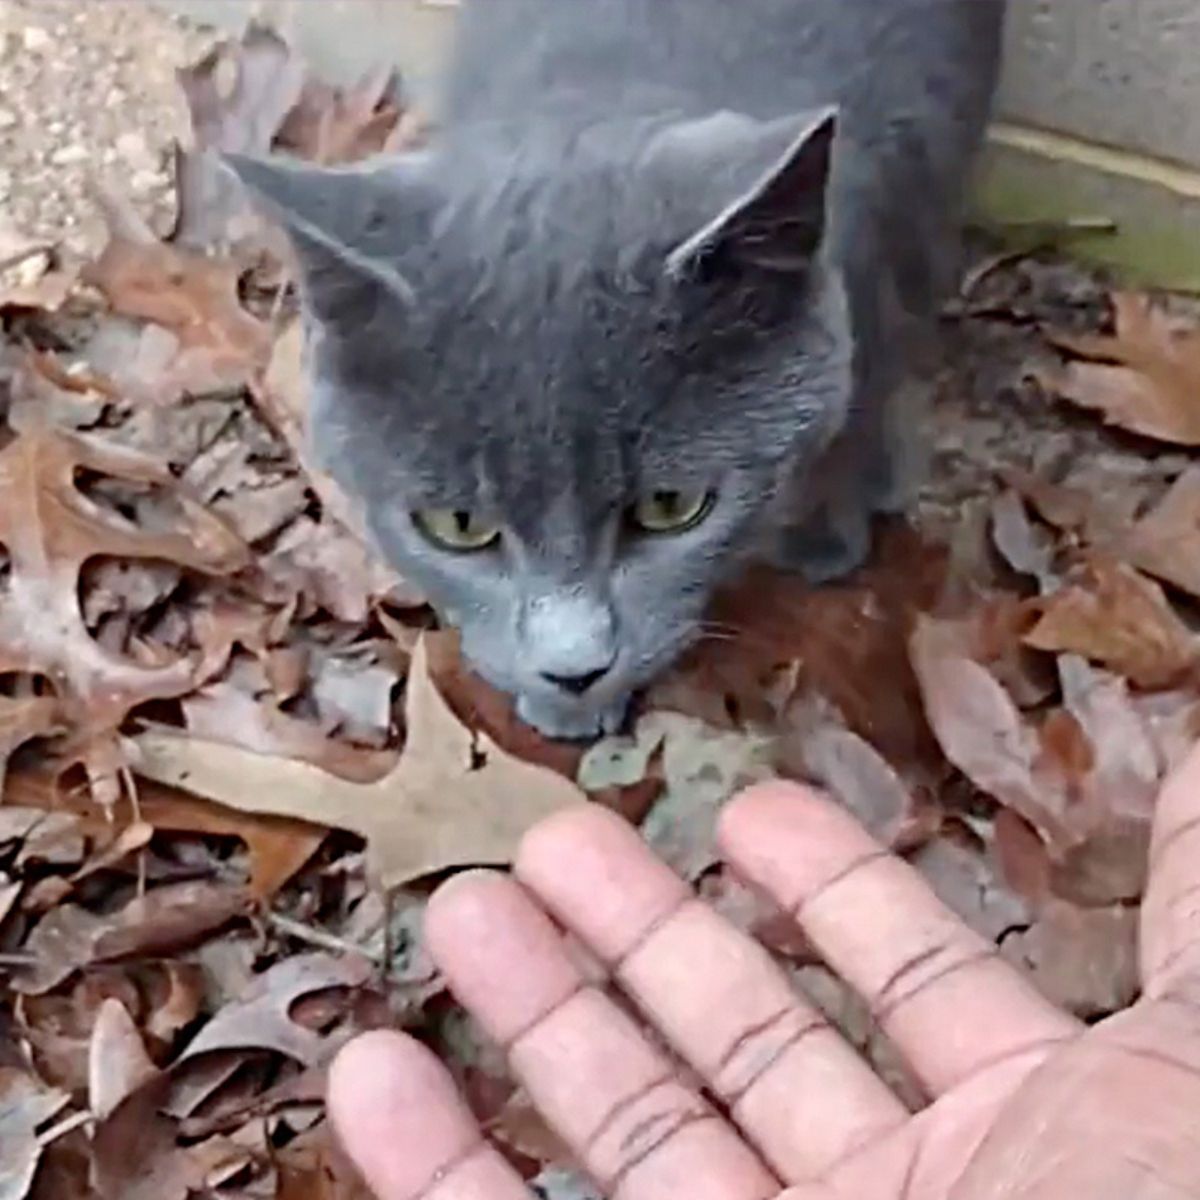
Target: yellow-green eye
(671, 511)
(457, 529)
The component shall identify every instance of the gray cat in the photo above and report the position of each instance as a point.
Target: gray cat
(638, 314)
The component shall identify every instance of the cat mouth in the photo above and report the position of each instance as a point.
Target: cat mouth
(563, 722)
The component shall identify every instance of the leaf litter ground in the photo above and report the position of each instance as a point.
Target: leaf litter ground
(237, 752)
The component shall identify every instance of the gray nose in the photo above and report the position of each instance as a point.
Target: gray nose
(576, 684)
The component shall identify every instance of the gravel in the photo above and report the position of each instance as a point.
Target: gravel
(88, 95)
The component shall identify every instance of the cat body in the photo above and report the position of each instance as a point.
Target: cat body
(638, 313)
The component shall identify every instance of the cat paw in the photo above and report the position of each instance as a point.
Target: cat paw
(571, 724)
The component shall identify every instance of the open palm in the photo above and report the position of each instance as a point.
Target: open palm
(1026, 1102)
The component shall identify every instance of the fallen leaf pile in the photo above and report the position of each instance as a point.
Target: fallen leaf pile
(237, 753)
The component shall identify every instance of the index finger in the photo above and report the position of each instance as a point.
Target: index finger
(1170, 944)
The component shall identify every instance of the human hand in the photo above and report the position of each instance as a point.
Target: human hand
(1025, 1102)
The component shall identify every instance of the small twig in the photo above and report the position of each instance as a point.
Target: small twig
(65, 1126)
(317, 937)
(18, 958)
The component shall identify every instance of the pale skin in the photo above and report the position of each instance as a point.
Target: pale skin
(1025, 1102)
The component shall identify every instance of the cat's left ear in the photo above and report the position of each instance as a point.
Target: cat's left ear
(770, 181)
(346, 226)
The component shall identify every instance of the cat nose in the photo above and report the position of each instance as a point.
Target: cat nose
(577, 684)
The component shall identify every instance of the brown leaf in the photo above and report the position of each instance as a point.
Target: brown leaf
(837, 641)
(135, 1155)
(278, 847)
(21, 720)
(967, 880)
(818, 748)
(25, 1105)
(437, 809)
(262, 1019)
(1082, 960)
(333, 125)
(1145, 377)
(981, 730)
(1085, 779)
(1165, 542)
(1112, 615)
(334, 570)
(192, 297)
(238, 95)
(117, 1061)
(50, 529)
(169, 918)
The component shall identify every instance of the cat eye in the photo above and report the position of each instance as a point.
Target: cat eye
(457, 529)
(671, 511)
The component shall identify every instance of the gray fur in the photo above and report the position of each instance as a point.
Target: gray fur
(658, 244)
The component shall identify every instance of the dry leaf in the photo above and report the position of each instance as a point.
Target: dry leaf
(702, 768)
(1082, 960)
(169, 918)
(1165, 542)
(135, 1155)
(117, 1060)
(277, 847)
(818, 748)
(1144, 378)
(437, 809)
(262, 1019)
(214, 342)
(967, 880)
(333, 125)
(238, 95)
(1112, 615)
(22, 720)
(50, 529)
(25, 1105)
(982, 732)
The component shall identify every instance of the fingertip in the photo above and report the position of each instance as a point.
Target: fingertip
(788, 837)
(404, 1125)
(465, 906)
(396, 1112)
(596, 874)
(555, 840)
(757, 814)
(378, 1070)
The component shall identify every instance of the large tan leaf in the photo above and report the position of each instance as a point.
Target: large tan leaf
(454, 799)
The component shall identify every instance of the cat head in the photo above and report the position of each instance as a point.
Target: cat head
(568, 374)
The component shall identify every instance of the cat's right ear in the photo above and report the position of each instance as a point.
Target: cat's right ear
(343, 225)
(766, 183)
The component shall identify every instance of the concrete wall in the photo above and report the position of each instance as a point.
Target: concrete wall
(1099, 113)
